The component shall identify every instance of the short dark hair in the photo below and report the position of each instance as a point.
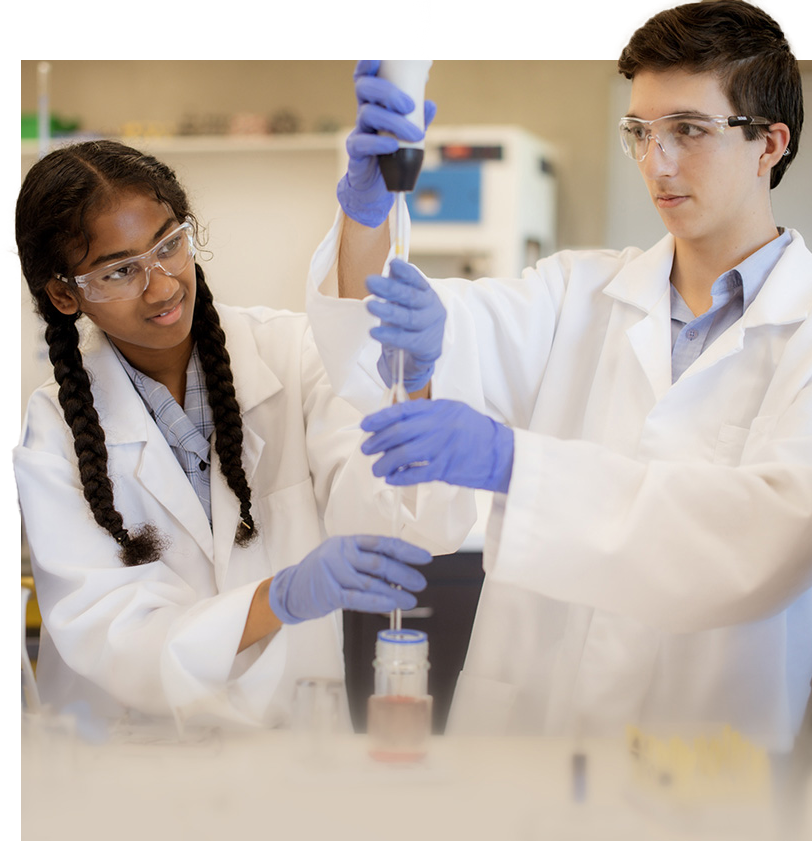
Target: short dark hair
(743, 46)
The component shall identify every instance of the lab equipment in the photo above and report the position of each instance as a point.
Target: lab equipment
(380, 125)
(400, 170)
(399, 711)
(412, 320)
(711, 778)
(43, 108)
(317, 716)
(440, 440)
(16, 675)
(354, 573)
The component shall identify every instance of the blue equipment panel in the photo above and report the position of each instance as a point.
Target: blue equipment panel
(449, 193)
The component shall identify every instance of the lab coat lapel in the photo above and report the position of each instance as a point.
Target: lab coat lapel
(785, 298)
(127, 422)
(644, 284)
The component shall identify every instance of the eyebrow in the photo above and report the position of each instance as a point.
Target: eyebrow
(121, 255)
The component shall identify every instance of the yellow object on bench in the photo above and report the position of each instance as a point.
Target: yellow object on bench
(33, 618)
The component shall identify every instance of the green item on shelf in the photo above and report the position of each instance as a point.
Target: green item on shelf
(59, 126)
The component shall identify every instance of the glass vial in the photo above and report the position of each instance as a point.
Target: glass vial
(16, 675)
(399, 712)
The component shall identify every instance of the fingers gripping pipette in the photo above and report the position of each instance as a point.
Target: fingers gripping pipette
(400, 170)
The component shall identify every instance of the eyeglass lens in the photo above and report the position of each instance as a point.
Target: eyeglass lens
(677, 136)
(129, 278)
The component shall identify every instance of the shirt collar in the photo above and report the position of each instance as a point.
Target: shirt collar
(189, 427)
(753, 271)
(750, 275)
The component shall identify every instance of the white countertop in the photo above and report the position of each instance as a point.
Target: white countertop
(226, 786)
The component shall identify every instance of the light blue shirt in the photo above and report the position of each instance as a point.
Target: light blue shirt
(187, 430)
(732, 293)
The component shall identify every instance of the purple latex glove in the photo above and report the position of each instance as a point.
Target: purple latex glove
(352, 573)
(362, 193)
(439, 440)
(412, 320)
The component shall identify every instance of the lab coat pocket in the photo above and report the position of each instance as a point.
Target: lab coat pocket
(289, 520)
(730, 444)
(481, 706)
(736, 445)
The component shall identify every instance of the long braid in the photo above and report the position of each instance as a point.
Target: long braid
(76, 400)
(59, 194)
(228, 434)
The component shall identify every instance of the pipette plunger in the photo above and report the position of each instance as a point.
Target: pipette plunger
(401, 168)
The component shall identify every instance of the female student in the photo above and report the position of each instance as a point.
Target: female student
(178, 478)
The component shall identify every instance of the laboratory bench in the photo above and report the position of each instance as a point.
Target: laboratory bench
(141, 784)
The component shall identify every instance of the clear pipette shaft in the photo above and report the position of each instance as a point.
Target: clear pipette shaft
(398, 393)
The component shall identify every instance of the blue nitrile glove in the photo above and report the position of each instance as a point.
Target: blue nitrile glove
(362, 193)
(412, 319)
(428, 440)
(354, 573)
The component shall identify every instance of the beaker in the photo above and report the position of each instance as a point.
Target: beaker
(16, 675)
(317, 716)
(399, 711)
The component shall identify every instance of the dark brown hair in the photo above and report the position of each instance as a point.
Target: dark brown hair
(743, 46)
(60, 193)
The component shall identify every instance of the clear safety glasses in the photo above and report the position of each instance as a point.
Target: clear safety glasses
(129, 278)
(678, 135)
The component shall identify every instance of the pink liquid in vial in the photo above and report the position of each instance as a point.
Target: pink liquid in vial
(399, 727)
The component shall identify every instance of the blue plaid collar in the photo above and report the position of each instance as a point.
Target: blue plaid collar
(189, 427)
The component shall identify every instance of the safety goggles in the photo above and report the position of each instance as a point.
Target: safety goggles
(129, 278)
(678, 135)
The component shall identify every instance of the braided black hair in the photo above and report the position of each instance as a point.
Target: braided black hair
(216, 364)
(56, 199)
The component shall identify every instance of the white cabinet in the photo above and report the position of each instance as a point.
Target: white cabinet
(485, 202)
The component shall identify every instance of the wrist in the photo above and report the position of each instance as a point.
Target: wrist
(414, 380)
(503, 452)
(369, 208)
(277, 596)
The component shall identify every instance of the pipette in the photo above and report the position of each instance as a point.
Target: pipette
(397, 393)
(400, 170)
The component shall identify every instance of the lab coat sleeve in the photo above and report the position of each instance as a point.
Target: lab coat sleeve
(492, 326)
(139, 633)
(341, 329)
(681, 546)
(435, 516)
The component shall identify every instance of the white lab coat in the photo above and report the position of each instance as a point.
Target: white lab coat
(161, 639)
(652, 561)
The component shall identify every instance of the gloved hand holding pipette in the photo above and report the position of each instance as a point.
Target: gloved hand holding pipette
(439, 440)
(353, 573)
(412, 320)
(380, 123)
(424, 441)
